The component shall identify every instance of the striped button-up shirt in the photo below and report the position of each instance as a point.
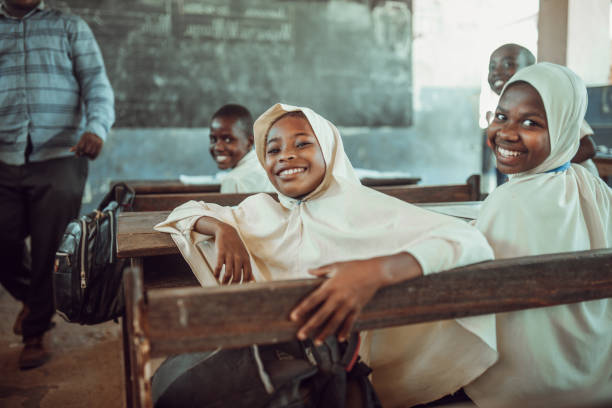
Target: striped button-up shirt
(53, 85)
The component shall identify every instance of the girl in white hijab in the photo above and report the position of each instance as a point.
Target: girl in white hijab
(557, 356)
(324, 220)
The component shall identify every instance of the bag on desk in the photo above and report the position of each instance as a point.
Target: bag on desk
(87, 276)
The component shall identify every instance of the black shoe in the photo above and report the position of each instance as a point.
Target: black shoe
(34, 353)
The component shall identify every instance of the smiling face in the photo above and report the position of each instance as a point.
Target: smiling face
(504, 63)
(229, 142)
(294, 160)
(518, 134)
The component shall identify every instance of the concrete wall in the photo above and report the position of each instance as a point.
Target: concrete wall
(588, 48)
(552, 28)
(576, 33)
(451, 47)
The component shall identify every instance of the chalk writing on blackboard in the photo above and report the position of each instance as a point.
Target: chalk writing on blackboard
(172, 63)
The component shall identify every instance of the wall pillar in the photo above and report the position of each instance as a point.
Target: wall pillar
(576, 33)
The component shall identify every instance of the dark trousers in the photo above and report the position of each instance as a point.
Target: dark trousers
(38, 200)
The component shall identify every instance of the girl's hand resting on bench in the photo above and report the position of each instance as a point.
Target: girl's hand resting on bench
(231, 252)
(337, 302)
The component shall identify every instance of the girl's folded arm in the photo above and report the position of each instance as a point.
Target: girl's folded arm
(230, 249)
(199, 217)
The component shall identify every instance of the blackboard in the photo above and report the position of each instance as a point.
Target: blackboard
(172, 63)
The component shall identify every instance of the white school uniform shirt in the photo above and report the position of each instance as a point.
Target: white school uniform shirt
(557, 356)
(248, 176)
(342, 220)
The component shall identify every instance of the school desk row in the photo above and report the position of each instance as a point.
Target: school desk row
(176, 186)
(156, 255)
(604, 165)
(166, 195)
(171, 318)
(164, 322)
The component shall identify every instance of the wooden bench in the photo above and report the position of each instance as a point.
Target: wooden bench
(470, 191)
(143, 187)
(156, 254)
(170, 321)
(604, 165)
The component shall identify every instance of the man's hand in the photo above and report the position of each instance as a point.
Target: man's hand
(89, 145)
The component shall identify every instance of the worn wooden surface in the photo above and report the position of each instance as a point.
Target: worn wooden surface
(177, 187)
(409, 193)
(136, 236)
(604, 165)
(138, 394)
(395, 181)
(190, 319)
(160, 202)
(168, 186)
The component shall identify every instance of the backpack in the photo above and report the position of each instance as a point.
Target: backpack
(294, 374)
(87, 276)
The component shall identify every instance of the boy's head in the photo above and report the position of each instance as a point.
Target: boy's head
(504, 63)
(293, 157)
(231, 135)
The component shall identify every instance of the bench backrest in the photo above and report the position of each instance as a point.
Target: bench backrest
(470, 191)
(143, 187)
(180, 320)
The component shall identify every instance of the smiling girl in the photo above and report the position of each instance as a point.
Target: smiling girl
(557, 356)
(327, 224)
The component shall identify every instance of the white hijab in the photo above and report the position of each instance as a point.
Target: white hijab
(342, 220)
(558, 356)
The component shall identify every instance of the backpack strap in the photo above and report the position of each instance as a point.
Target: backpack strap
(120, 192)
(351, 352)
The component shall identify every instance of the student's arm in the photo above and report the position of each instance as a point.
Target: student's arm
(96, 91)
(586, 150)
(339, 300)
(350, 286)
(231, 252)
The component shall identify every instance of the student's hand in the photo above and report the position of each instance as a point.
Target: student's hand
(339, 300)
(89, 145)
(231, 253)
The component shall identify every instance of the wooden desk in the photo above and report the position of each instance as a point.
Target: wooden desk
(142, 187)
(170, 321)
(470, 191)
(136, 237)
(168, 186)
(604, 165)
(395, 181)
(156, 254)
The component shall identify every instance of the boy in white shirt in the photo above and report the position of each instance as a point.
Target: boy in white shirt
(231, 142)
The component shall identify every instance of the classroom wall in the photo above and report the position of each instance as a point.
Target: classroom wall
(576, 33)
(435, 149)
(452, 42)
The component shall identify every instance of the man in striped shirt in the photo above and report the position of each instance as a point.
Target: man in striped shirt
(56, 108)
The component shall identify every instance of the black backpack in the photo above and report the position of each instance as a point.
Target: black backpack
(87, 276)
(294, 374)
